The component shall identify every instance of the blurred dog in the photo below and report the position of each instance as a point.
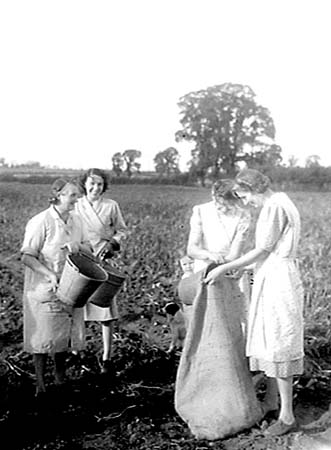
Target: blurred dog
(176, 322)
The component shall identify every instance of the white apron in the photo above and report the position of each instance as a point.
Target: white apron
(102, 221)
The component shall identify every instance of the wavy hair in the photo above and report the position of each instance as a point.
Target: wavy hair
(94, 172)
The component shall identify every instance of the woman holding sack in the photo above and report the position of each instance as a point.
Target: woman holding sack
(275, 324)
(214, 389)
(50, 326)
(105, 228)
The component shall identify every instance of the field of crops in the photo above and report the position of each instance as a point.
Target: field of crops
(136, 411)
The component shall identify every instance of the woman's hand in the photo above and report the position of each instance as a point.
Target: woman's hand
(72, 246)
(110, 249)
(53, 281)
(214, 274)
(215, 257)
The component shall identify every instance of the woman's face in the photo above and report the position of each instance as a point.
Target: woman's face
(94, 187)
(225, 206)
(250, 198)
(68, 197)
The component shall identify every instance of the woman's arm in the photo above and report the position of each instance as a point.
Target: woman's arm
(245, 260)
(194, 250)
(34, 264)
(238, 242)
(194, 247)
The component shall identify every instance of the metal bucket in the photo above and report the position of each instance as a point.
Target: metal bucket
(104, 294)
(81, 276)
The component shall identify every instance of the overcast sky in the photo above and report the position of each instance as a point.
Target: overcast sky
(81, 80)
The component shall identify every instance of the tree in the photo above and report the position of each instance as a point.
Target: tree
(166, 162)
(313, 161)
(265, 156)
(3, 162)
(131, 164)
(292, 161)
(118, 163)
(220, 120)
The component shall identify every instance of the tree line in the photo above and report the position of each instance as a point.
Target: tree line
(227, 128)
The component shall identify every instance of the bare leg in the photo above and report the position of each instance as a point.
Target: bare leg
(39, 360)
(107, 339)
(59, 366)
(285, 387)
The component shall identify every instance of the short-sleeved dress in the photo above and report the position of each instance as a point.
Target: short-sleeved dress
(102, 221)
(215, 232)
(275, 325)
(50, 326)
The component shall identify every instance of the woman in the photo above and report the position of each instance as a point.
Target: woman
(105, 228)
(275, 326)
(218, 231)
(214, 389)
(50, 326)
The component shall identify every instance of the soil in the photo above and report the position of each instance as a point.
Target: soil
(131, 408)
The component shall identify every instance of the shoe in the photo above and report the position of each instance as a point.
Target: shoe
(280, 428)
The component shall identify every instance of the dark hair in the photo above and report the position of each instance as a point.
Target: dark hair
(57, 187)
(252, 180)
(224, 189)
(98, 173)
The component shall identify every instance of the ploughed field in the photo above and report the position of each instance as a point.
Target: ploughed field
(134, 409)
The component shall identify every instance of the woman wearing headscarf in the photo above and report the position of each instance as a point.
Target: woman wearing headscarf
(275, 324)
(50, 326)
(105, 228)
(214, 391)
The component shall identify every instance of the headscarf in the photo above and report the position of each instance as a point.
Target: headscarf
(253, 180)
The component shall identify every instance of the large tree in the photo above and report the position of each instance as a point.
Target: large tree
(130, 158)
(166, 162)
(220, 120)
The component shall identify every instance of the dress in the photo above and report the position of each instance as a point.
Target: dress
(50, 326)
(275, 325)
(102, 221)
(215, 232)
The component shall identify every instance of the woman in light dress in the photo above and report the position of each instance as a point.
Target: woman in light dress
(50, 326)
(214, 391)
(275, 325)
(105, 228)
(218, 232)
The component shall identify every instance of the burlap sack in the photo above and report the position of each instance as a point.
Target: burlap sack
(214, 390)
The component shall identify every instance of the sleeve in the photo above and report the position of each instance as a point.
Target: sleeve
(195, 225)
(244, 225)
(119, 224)
(34, 237)
(272, 223)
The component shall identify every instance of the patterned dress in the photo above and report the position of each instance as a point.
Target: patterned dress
(102, 221)
(275, 325)
(50, 326)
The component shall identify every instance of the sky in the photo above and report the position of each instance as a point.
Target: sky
(81, 80)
